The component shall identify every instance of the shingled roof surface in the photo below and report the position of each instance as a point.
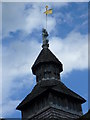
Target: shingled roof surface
(53, 85)
(46, 56)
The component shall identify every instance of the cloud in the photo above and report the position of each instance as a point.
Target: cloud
(17, 61)
(62, 18)
(72, 51)
(13, 17)
(68, 18)
(17, 17)
(33, 19)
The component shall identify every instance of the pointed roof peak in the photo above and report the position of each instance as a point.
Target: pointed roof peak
(46, 56)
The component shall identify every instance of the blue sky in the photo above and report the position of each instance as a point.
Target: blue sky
(22, 25)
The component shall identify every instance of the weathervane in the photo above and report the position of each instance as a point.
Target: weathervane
(44, 31)
(47, 12)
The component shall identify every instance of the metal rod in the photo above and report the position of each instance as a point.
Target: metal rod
(46, 17)
(46, 21)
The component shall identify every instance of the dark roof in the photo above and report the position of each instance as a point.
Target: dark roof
(46, 56)
(85, 117)
(54, 85)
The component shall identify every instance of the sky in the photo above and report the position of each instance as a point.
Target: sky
(21, 42)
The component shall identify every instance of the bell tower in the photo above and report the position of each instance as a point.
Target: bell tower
(50, 99)
(46, 66)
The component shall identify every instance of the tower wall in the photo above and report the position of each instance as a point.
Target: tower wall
(52, 106)
(47, 72)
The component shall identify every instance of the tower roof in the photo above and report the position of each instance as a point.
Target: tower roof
(53, 85)
(46, 56)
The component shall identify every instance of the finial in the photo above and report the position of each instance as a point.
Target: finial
(44, 37)
(46, 6)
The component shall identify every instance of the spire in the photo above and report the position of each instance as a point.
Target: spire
(44, 31)
(44, 37)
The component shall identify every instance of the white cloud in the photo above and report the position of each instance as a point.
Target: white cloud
(72, 51)
(15, 17)
(17, 61)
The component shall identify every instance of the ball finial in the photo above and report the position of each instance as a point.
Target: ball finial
(46, 6)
